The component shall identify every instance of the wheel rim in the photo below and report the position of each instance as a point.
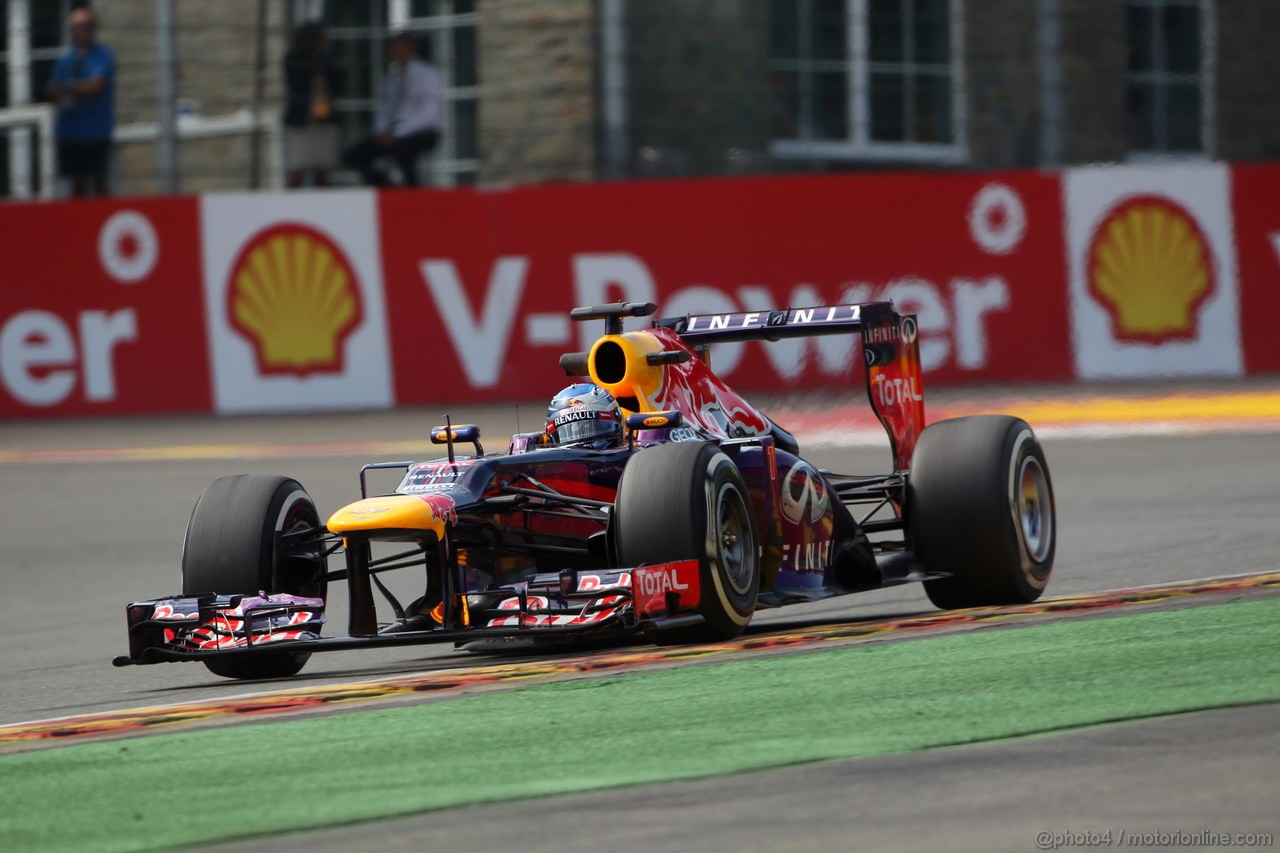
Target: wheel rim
(290, 556)
(1035, 509)
(733, 540)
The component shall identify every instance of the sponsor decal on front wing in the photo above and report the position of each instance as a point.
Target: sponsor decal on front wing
(270, 619)
(651, 586)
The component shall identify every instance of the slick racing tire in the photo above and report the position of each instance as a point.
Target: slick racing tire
(980, 508)
(236, 543)
(684, 501)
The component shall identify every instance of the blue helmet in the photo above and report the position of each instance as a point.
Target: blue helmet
(584, 415)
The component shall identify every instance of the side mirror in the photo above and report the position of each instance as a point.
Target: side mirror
(464, 432)
(654, 420)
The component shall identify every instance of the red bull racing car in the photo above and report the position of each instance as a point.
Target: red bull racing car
(702, 513)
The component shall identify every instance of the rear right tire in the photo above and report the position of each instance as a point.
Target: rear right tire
(980, 508)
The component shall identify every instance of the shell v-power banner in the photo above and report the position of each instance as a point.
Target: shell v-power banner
(352, 299)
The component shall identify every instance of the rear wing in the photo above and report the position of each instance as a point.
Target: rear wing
(767, 325)
(890, 353)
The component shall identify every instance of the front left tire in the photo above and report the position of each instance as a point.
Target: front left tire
(247, 534)
(688, 500)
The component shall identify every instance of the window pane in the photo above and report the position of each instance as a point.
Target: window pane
(1140, 34)
(1182, 39)
(887, 115)
(931, 37)
(353, 124)
(358, 58)
(828, 30)
(786, 104)
(1140, 107)
(1183, 125)
(464, 56)
(784, 29)
(48, 27)
(428, 8)
(350, 13)
(429, 47)
(885, 30)
(41, 71)
(464, 128)
(829, 105)
(933, 108)
(37, 160)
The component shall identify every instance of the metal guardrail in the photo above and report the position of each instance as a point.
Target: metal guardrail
(205, 127)
(19, 120)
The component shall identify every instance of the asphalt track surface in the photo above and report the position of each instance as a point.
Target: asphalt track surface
(81, 538)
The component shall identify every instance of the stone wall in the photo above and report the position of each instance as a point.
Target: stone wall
(1248, 80)
(538, 101)
(1002, 83)
(216, 73)
(1095, 60)
(698, 86)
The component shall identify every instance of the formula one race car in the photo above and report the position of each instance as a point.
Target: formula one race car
(703, 513)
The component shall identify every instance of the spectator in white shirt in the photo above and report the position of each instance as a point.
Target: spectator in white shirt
(407, 124)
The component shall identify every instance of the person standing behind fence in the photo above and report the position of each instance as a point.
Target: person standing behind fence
(407, 124)
(83, 85)
(312, 78)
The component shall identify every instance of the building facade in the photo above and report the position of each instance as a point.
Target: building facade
(573, 90)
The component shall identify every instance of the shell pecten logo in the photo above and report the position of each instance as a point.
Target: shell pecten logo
(1151, 267)
(294, 295)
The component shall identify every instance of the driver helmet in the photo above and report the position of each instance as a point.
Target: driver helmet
(584, 415)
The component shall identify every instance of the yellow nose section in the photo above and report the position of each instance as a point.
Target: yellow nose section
(395, 512)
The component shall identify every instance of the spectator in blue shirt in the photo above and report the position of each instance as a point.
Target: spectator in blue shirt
(83, 87)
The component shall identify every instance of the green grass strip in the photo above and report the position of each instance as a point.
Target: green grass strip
(181, 789)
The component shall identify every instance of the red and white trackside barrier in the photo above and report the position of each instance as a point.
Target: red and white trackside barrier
(356, 299)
